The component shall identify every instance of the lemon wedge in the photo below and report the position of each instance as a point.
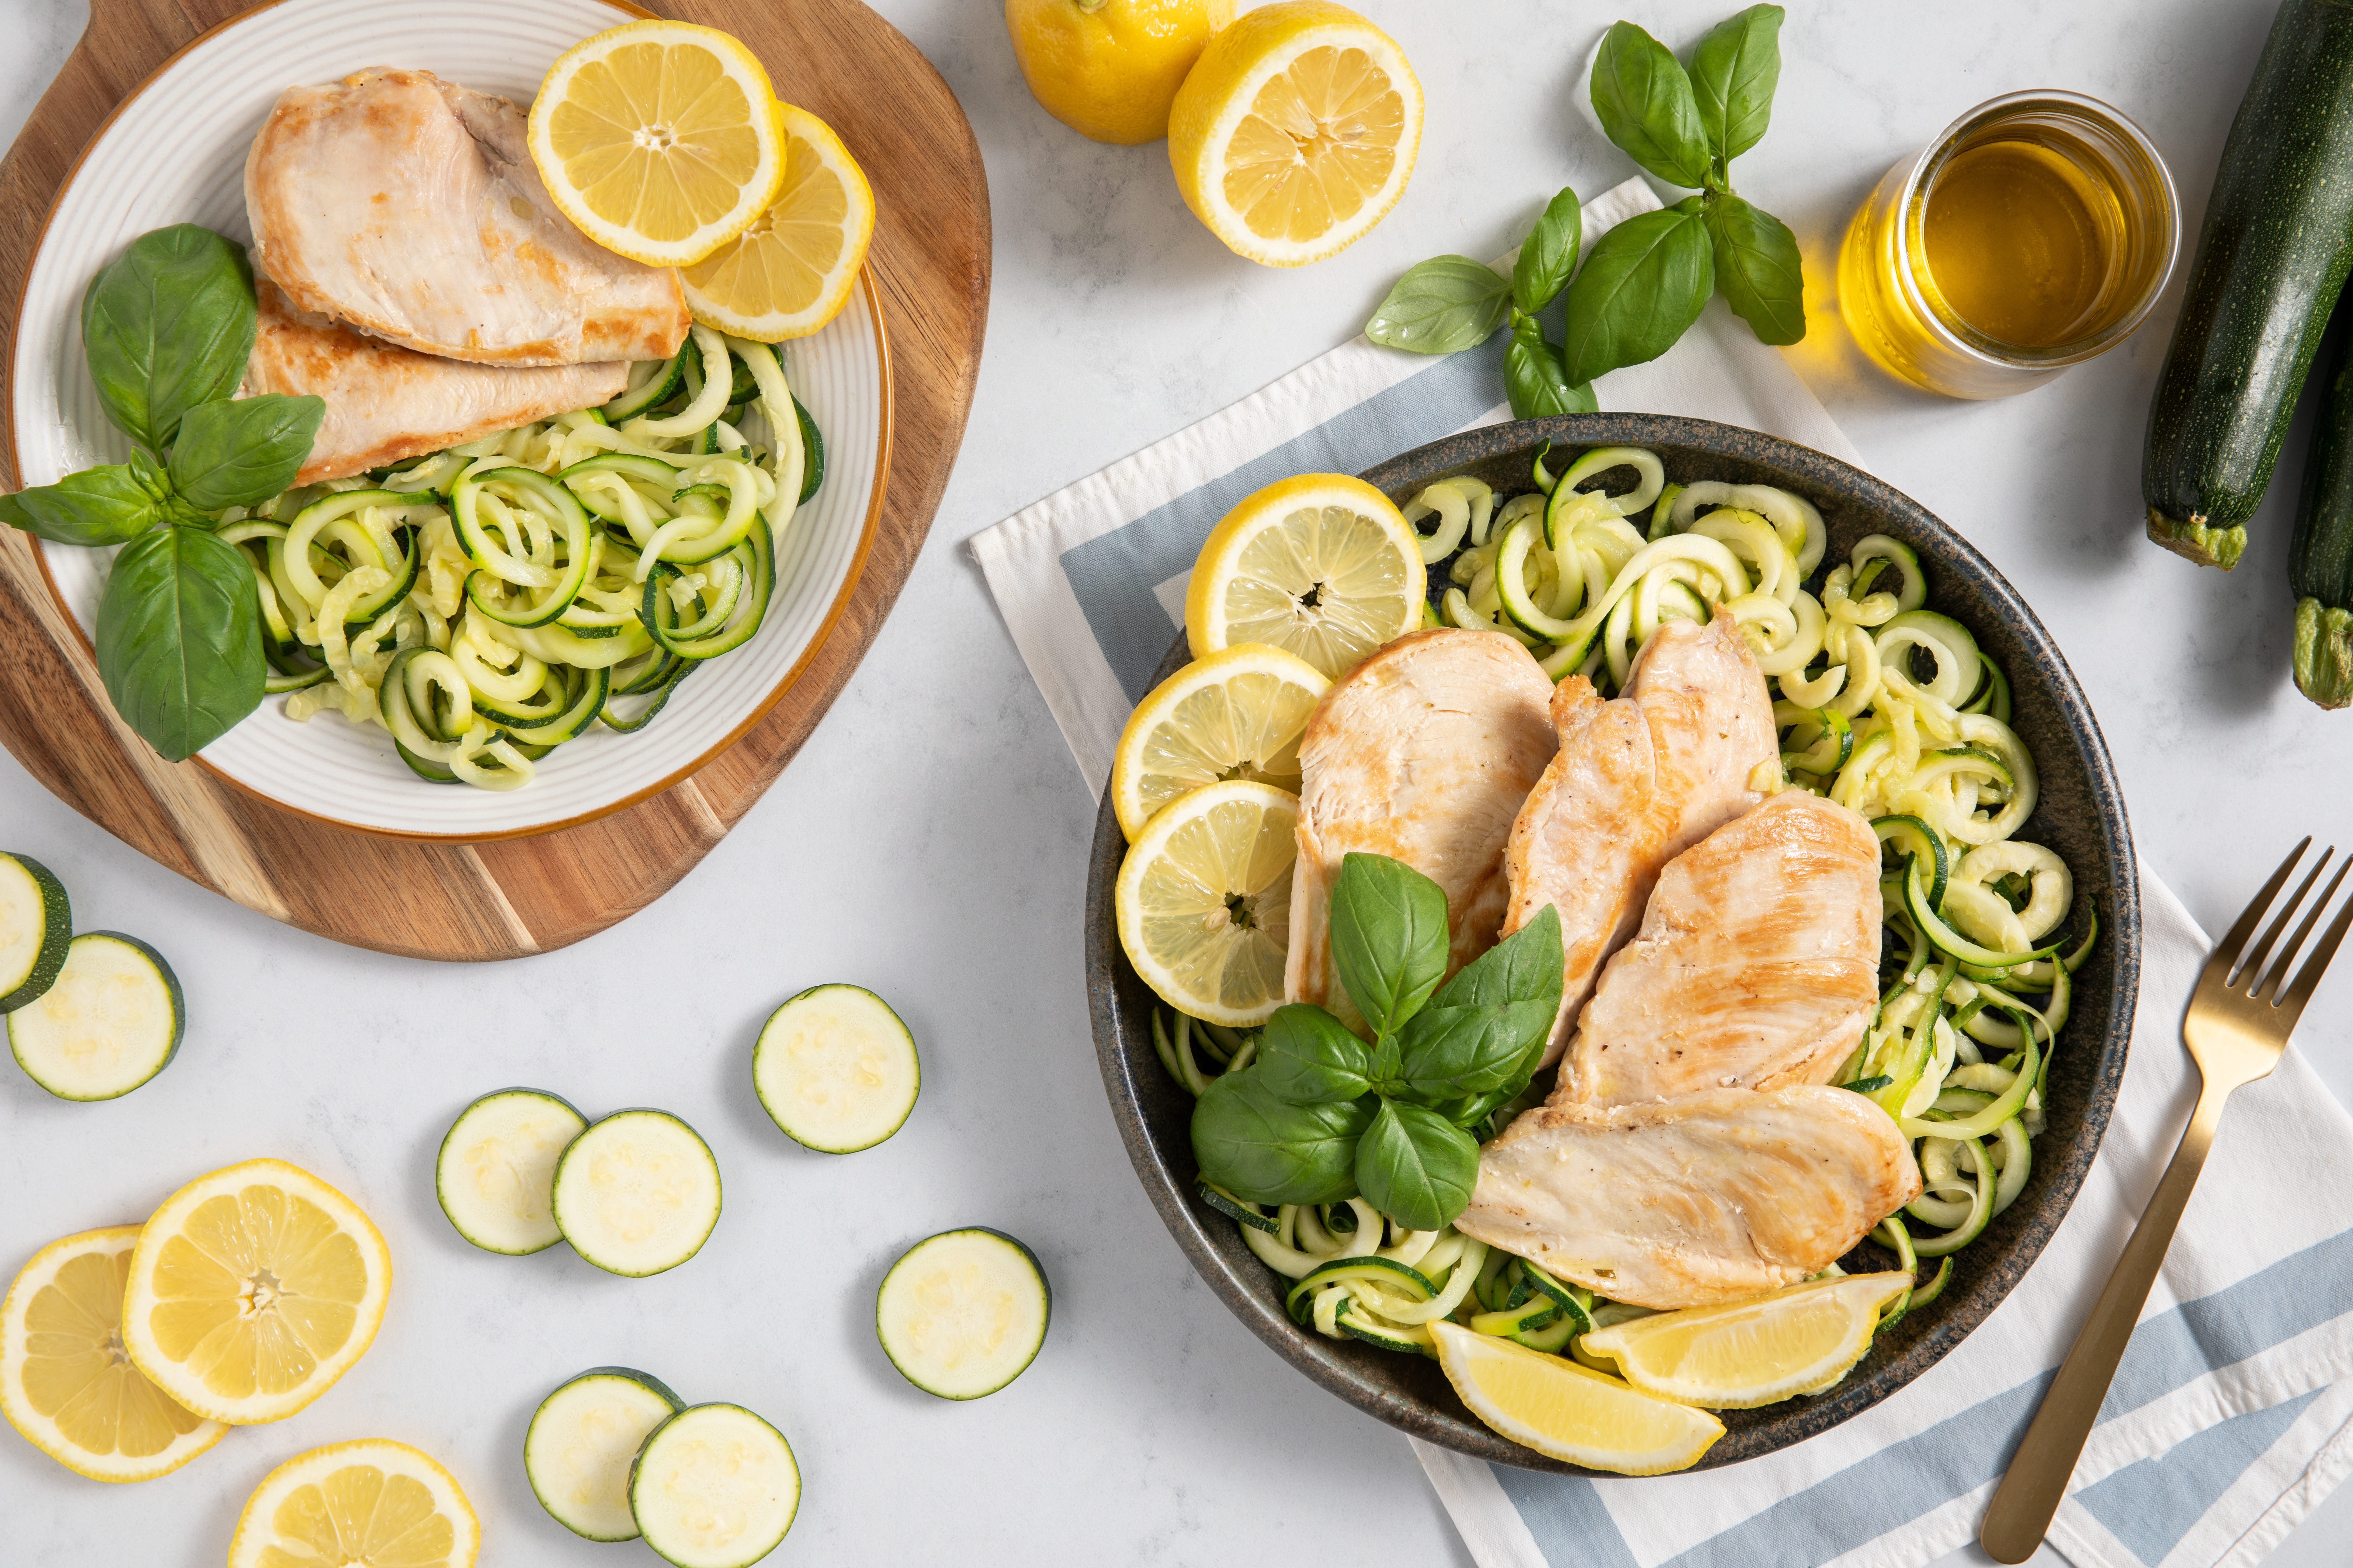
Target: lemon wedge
(659, 140)
(1295, 132)
(1321, 565)
(65, 1382)
(1571, 1412)
(1203, 900)
(1753, 1353)
(1238, 713)
(252, 1290)
(791, 271)
(372, 1503)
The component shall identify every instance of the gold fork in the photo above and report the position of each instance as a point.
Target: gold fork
(2237, 1028)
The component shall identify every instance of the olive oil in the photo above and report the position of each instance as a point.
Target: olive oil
(2021, 242)
(2036, 232)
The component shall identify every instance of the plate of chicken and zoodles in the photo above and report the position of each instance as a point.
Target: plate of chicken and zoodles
(453, 422)
(1612, 939)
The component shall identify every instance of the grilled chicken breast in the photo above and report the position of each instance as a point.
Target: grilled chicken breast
(409, 207)
(1757, 965)
(1695, 1201)
(386, 403)
(1638, 781)
(1424, 753)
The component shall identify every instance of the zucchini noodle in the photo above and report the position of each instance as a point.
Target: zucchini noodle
(1883, 705)
(487, 603)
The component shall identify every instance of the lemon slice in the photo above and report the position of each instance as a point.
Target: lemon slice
(1238, 713)
(372, 1503)
(659, 140)
(1203, 900)
(1295, 132)
(1569, 1411)
(791, 271)
(1321, 566)
(1752, 1352)
(65, 1382)
(252, 1290)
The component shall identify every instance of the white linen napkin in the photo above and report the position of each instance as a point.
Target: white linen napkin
(2232, 1415)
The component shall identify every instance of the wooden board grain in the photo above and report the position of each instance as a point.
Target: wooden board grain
(929, 266)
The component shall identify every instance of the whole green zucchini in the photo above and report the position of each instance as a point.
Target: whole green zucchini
(2272, 257)
(2320, 561)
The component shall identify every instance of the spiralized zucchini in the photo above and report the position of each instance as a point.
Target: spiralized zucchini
(1884, 706)
(488, 603)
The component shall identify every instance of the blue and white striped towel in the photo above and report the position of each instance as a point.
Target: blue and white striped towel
(2233, 1417)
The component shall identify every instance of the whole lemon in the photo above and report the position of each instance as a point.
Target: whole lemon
(1110, 68)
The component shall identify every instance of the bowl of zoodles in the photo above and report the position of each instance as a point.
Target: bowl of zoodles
(1912, 684)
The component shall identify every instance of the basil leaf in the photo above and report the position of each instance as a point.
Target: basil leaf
(1440, 306)
(1732, 74)
(1757, 267)
(1389, 938)
(166, 326)
(1534, 379)
(179, 639)
(1257, 1145)
(1309, 1058)
(243, 452)
(1485, 1030)
(1549, 254)
(1416, 1166)
(1647, 108)
(1644, 285)
(105, 505)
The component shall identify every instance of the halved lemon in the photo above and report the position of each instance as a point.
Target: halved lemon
(1321, 565)
(1295, 132)
(791, 271)
(1569, 1411)
(372, 1503)
(659, 140)
(252, 1290)
(1747, 1353)
(65, 1382)
(1203, 900)
(1238, 713)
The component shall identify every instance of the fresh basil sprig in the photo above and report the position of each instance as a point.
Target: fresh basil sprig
(1320, 1115)
(167, 329)
(1645, 281)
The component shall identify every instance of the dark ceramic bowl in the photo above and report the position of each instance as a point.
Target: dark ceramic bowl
(2081, 814)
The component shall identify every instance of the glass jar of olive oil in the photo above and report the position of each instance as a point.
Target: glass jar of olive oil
(2036, 232)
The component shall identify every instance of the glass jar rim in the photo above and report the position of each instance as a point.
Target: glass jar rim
(1960, 336)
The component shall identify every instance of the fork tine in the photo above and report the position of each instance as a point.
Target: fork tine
(2277, 982)
(2250, 969)
(2317, 963)
(2234, 941)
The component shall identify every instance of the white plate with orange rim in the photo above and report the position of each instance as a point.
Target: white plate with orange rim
(174, 152)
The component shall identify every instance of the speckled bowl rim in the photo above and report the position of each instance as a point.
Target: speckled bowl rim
(1430, 1411)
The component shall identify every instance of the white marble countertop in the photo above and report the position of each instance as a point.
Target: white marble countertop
(929, 843)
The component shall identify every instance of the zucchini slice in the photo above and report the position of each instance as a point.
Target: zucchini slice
(496, 1174)
(836, 1070)
(715, 1487)
(964, 1312)
(111, 1022)
(582, 1441)
(36, 925)
(638, 1192)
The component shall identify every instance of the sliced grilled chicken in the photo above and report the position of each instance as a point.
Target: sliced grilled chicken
(409, 207)
(1424, 753)
(1695, 1201)
(1757, 965)
(1638, 781)
(386, 403)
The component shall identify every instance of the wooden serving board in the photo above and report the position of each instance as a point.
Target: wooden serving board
(930, 263)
